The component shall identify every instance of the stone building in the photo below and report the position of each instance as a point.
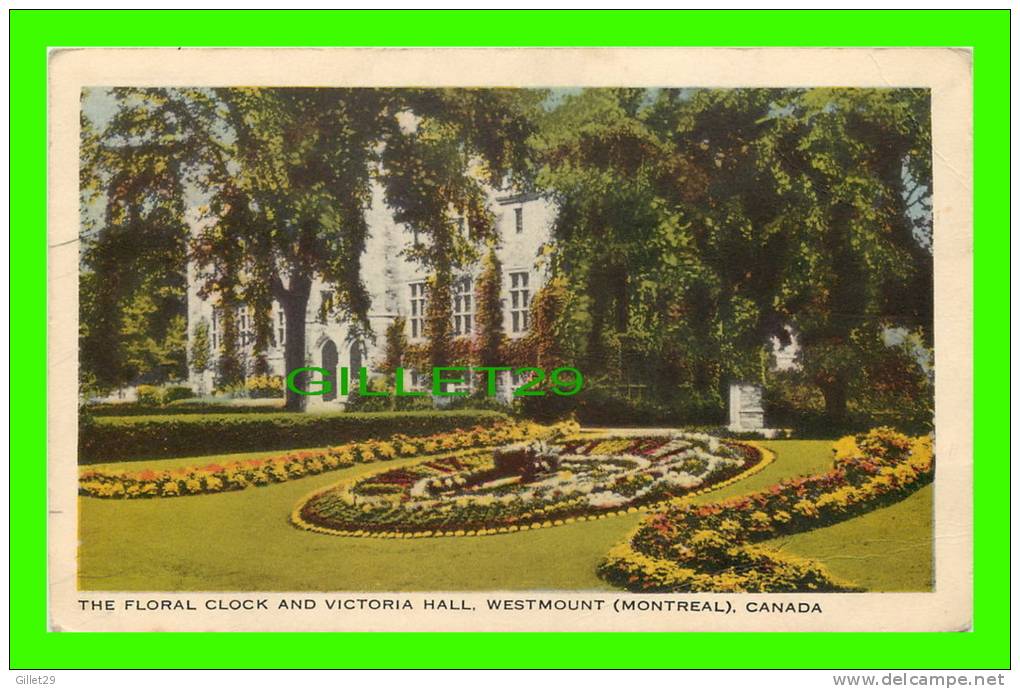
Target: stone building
(397, 288)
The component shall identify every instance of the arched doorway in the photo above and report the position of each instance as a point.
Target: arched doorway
(355, 365)
(330, 359)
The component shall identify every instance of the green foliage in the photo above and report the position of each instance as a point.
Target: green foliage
(140, 437)
(286, 174)
(547, 312)
(395, 355)
(446, 145)
(695, 225)
(264, 386)
(191, 405)
(396, 346)
(151, 395)
(439, 317)
(601, 403)
(489, 311)
(133, 247)
(201, 347)
(229, 368)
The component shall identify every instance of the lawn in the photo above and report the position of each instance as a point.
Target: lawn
(886, 550)
(243, 541)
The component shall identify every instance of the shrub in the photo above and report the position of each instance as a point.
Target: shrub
(190, 405)
(150, 395)
(897, 394)
(154, 396)
(140, 437)
(173, 393)
(263, 387)
(598, 404)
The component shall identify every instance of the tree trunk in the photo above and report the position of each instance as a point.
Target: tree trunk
(294, 301)
(834, 392)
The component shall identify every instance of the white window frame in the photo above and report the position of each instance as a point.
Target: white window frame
(417, 303)
(519, 304)
(242, 321)
(463, 308)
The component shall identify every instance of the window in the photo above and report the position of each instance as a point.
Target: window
(520, 300)
(519, 219)
(242, 316)
(463, 306)
(215, 324)
(244, 334)
(281, 329)
(417, 319)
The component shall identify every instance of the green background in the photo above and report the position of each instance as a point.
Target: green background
(33, 32)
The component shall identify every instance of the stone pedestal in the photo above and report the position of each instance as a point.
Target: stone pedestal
(746, 410)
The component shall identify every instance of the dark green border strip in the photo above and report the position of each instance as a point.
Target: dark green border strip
(33, 32)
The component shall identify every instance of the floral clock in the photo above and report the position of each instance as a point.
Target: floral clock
(528, 485)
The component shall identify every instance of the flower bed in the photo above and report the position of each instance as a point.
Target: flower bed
(216, 478)
(527, 485)
(711, 547)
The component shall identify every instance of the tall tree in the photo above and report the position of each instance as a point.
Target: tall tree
(133, 249)
(598, 166)
(695, 225)
(857, 168)
(285, 179)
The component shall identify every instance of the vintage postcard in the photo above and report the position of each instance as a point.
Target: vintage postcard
(510, 339)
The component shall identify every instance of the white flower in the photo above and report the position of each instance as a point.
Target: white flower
(606, 498)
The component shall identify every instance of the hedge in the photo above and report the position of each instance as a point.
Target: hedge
(109, 439)
(180, 407)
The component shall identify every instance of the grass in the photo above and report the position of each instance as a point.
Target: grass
(244, 541)
(889, 549)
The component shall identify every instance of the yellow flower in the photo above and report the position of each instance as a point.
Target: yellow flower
(806, 508)
(760, 520)
(845, 448)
